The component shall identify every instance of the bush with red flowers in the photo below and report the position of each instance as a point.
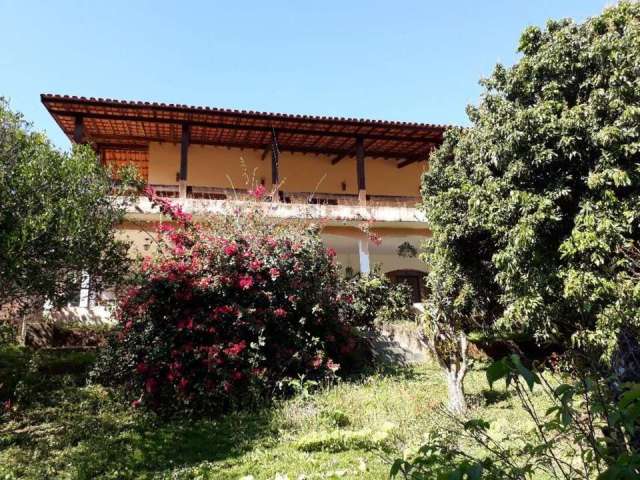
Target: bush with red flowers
(225, 310)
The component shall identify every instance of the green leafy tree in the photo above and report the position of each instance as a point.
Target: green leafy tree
(57, 218)
(535, 206)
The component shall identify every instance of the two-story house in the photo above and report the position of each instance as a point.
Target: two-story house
(349, 174)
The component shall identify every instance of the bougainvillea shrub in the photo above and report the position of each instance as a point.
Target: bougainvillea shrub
(226, 309)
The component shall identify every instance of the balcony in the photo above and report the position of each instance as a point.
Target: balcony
(333, 208)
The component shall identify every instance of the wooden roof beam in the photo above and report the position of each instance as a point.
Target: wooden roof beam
(337, 158)
(408, 161)
(265, 152)
(79, 130)
(283, 147)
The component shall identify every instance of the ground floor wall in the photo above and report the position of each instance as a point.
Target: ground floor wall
(389, 250)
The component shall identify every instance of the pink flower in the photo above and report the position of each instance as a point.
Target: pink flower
(151, 385)
(184, 383)
(237, 376)
(230, 249)
(271, 242)
(165, 227)
(185, 323)
(333, 366)
(275, 273)
(245, 283)
(375, 239)
(255, 265)
(224, 309)
(146, 263)
(258, 192)
(142, 368)
(280, 312)
(331, 252)
(136, 403)
(236, 348)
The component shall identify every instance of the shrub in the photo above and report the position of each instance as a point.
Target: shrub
(226, 310)
(373, 297)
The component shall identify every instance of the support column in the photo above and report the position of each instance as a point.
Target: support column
(275, 164)
(84, 291)
(362, 186)
(363, 254)
(184, 159)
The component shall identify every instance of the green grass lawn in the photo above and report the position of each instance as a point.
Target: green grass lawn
(350, 430)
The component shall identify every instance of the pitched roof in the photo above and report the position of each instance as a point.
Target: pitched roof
(111, 123)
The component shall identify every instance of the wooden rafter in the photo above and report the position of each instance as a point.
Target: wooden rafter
(407, 161)
(249, 127)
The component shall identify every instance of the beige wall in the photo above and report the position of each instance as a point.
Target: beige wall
(314, 173)
(343, 239)
(226, 167)
(209, 166)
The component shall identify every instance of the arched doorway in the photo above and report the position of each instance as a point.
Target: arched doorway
(413, 278)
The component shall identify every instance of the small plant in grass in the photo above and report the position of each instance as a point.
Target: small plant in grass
(589, 431)
(226, 310)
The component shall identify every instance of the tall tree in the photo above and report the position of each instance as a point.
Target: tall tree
(57, 218)
(535, 206)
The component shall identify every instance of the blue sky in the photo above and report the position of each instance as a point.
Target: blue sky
(395, 60)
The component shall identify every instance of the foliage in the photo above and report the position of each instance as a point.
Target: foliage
(228, 309)
(7, 333)
(534, 207)
(585, 433)
(373, 297)
(57, 218)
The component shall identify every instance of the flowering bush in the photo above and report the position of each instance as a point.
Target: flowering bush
(227, 309)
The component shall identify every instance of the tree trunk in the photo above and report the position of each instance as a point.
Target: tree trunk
(455, 389)
(449, 347)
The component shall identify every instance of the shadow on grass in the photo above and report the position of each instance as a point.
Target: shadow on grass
(488, 397)
(491, 397)
(391, 370)
(90, 435)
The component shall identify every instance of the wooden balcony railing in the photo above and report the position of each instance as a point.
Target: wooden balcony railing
(215, 193)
